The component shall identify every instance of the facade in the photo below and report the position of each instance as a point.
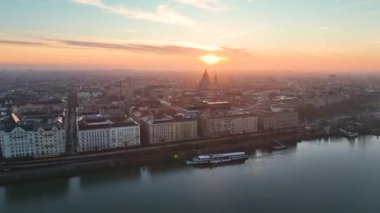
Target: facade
(243, 123)
(2, 132)
(36, 140)
(19, 142)
(171, 131)
(96, 133)
(164, 126)
(278, 120)
(50, 140)
(228, 124)
(215, 126)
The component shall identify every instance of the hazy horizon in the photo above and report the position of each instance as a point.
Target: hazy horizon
(329, 36)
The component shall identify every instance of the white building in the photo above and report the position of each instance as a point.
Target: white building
(19, 142)
(96, 133)
(50, 140)
(33, 140)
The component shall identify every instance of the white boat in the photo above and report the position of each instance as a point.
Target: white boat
(218, 158)
(348, 134)
(279, 146)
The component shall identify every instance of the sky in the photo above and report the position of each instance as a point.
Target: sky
(249, 35)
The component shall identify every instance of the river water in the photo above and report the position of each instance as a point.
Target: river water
(325, 175)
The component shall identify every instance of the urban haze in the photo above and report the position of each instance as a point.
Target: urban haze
(189, 106)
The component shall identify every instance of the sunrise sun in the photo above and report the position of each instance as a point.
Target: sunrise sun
(211, 59)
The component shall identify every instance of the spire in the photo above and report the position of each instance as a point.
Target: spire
(216, 88)
(204, 84)
(205, 75)
(205, 78)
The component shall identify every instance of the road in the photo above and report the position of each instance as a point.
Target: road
(140, 151)
(71, 128)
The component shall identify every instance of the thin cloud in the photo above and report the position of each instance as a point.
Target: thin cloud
(155, 49)
(184, 48)
(212, 5)
(20, 42)
(131, 47)
(163, 13)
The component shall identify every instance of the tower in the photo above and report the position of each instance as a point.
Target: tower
(215, 87)
(215, 80)
(204, 85)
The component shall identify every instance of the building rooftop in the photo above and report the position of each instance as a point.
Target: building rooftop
(103, 122)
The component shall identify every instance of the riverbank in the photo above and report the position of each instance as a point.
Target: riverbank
(76, 164)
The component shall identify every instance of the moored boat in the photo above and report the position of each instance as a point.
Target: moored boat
(279, 147)
(218, 158)
(348, 134)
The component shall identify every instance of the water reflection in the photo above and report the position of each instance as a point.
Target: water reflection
(110, 177)
(324, 175)
(291, 148)
(166, 168)
(45, 189)
(74, 186)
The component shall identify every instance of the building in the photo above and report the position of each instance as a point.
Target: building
(88, 94)
(277, 120)
(166, 125)
(243, 123)
(2, 132)
(163, 130)
(218, 119)
(228, 124)
(214, 126)
(20, 139)
(100, 132)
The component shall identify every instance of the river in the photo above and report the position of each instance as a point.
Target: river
(324, 175)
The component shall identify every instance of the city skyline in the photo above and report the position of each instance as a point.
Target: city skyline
(247, 35)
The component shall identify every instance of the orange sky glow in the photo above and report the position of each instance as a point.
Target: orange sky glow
(114, 59)
(314, 36)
